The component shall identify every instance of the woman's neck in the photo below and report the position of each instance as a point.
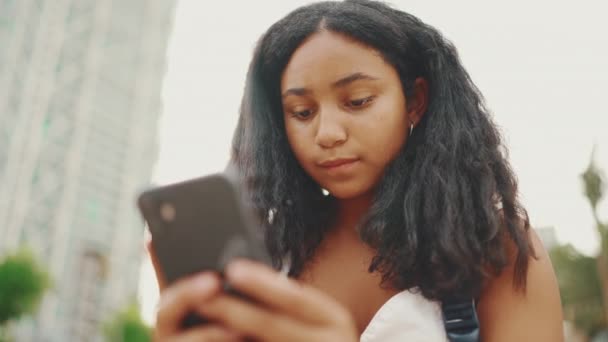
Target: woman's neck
(351, 211)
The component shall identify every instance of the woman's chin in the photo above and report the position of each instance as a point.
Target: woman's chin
(347, 193)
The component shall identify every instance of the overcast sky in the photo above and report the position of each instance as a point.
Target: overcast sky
(542, 66)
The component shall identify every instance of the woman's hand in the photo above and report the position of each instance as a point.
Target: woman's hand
(181, 298)
(282, 309)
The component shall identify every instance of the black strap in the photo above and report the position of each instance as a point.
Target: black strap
(460, 320)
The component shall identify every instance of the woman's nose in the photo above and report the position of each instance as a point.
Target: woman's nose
(330, 132)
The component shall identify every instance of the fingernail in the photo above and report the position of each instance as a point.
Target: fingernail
(236, 270)
(205, 282)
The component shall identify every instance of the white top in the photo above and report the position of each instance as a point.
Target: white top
(408, 317)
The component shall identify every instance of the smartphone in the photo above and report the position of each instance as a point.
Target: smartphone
(199, 225)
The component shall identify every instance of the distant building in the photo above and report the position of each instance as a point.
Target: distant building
(80, 97)
(547, 236)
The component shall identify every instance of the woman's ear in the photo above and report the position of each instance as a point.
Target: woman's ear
(418, 102)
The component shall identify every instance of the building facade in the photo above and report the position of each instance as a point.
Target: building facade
(80, 97)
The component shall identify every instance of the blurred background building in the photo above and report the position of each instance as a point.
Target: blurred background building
(80, 97)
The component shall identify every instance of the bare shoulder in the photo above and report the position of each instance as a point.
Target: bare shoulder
(506, 314)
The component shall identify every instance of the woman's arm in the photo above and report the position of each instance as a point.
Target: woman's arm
(508, 315)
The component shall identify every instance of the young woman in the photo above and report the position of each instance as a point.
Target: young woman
(384, 187)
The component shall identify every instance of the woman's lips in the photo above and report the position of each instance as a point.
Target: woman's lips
(339, 165)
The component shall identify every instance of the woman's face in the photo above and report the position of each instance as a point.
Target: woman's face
(345, 113)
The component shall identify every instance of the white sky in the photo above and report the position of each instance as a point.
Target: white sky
(542, 66)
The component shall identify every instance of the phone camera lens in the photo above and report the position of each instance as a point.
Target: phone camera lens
(167, 212)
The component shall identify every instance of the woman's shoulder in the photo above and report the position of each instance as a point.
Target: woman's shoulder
(407, 316)
(532, 314)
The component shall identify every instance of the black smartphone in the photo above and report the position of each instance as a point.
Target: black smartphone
(200, 224)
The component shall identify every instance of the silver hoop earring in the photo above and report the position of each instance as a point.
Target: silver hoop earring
(411, 127)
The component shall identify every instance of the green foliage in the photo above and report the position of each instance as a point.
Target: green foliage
(127, 326)
(582, 279)
(580, 288)
(22, 284)
(593, 183)
(593, 187)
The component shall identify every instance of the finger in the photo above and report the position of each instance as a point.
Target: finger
(181, 298)
(160, 278)
(211, 333)
(252, 320)
(274, 290)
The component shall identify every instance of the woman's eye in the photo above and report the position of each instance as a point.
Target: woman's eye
(360, 102)
(302, 114)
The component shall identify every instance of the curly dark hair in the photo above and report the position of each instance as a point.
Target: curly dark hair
(446, 209)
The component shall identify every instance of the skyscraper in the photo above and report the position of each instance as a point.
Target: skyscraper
(80, 97)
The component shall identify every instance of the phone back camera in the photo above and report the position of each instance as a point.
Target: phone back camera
(167, 212)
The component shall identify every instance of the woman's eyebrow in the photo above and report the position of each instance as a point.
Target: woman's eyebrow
(296, 92)
(357, 76)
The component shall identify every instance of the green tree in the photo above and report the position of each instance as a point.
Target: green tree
(583, 280)
(593, 180)
(580, 289)
(23, 282)
(127, 326)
